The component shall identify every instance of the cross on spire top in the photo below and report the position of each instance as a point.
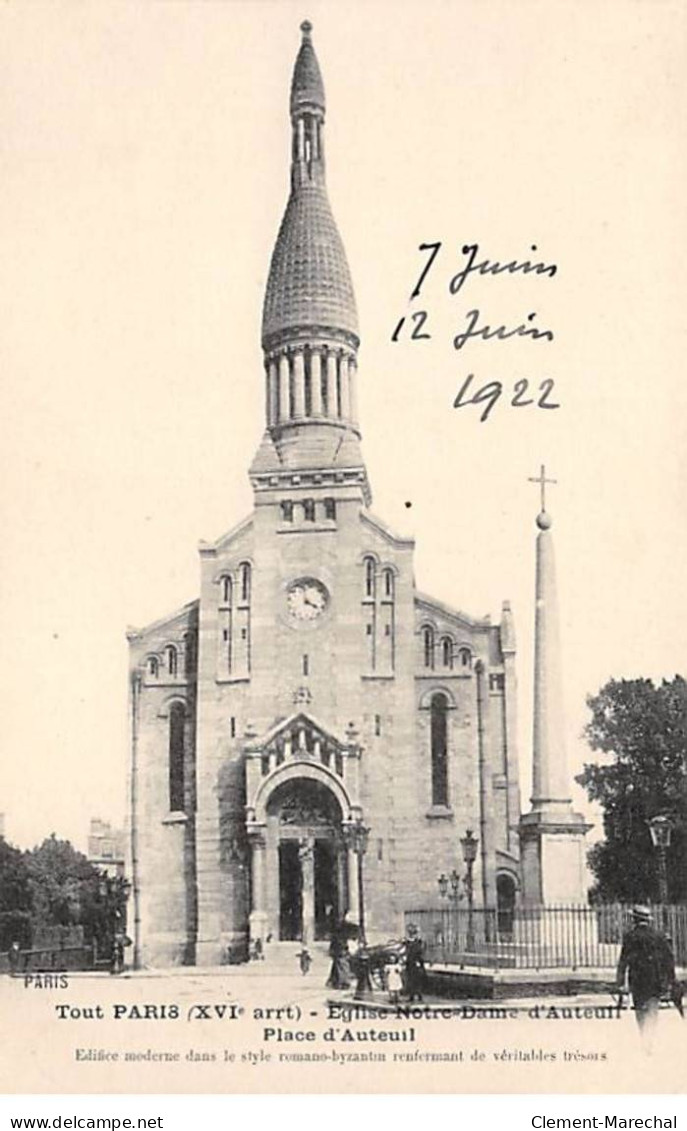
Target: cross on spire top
(542, 481)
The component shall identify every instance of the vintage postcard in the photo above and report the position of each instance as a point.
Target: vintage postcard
(343, 570)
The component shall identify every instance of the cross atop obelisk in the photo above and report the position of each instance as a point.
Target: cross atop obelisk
(542, 481)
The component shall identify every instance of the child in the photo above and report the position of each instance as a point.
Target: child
(392, 976)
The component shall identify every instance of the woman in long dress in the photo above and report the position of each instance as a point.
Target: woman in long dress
(340, 972)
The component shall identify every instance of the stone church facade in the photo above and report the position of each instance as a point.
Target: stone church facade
(311, 691)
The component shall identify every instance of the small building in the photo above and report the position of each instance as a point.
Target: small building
(106, 847)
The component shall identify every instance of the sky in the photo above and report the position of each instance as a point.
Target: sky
(145, 152)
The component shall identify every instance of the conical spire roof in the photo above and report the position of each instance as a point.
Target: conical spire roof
(309, 283)
(307, 88)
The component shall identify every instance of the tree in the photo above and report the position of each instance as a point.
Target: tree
(65, 887)
(15, 897)
(644, 730)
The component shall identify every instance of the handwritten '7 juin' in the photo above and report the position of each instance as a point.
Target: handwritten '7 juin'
(476, 329)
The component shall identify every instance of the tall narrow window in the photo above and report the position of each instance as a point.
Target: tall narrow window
(369, 577)
(465, 657)
(447, 652)
(309, 510)
(439, 743)
(388, 584)
(330, 508)
(176, 757)
(153, 667)
(172, 660)
(226, 590)
(428, 646)
(244, 575)
(306, 665)
(287, 510)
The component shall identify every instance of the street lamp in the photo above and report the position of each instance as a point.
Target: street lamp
(449, 886)
(660, 828)
(469, 843)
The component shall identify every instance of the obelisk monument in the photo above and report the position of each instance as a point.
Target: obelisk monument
(552, 835)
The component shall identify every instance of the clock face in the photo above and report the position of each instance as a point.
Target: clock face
(306, 599)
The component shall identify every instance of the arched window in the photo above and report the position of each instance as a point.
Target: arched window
(244, 576)
(369, 577)
(447, 652)
(428, 646)
(439, 743)
(153, 667)
(389, 584)
(176, 757)
(226, 590)
(172, 659)
(465, 658)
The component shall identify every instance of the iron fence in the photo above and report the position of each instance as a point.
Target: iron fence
(539, 938)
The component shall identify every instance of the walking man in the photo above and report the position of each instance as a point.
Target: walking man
(648, 960)
(414, 968)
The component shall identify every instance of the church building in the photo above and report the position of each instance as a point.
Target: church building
(312, 722)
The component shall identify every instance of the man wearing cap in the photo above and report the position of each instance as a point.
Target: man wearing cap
(414, 964)
(647, 958)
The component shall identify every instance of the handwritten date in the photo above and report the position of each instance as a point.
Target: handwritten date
(489, 394)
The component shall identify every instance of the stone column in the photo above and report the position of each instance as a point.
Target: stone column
(332, 396)
(551, 834)
(353, 389)
(258, 914)
(343, 385)
(316, 383)
(284, 406)
(306, 855)
(298, 384)
(268, 394)
(550, 779)
(272, 393)
(341, 881)
(353, 894)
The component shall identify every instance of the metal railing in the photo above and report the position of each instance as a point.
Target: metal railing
(539, 938)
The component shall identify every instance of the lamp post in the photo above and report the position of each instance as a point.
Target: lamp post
(469, 844)
(449, 886)
(660, 828)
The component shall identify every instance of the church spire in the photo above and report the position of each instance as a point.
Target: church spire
(310, 323)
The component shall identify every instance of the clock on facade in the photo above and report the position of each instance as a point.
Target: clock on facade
(306, 599)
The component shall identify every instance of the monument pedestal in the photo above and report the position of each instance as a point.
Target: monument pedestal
(552, 856)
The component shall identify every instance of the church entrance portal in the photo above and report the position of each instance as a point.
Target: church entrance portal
(306, 861)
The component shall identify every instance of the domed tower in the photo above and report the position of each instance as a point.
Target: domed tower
(309, 323)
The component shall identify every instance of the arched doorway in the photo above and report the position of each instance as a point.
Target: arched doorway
(307, 873)
(505, 902)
